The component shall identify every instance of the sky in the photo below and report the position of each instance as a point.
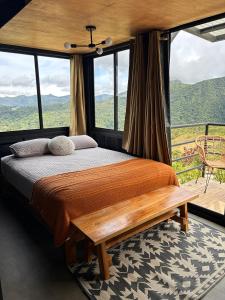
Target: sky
(192, 60)
(17, 75)
(103, 70)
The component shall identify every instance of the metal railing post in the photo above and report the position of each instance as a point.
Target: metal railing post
(206, 133)
(206, 125)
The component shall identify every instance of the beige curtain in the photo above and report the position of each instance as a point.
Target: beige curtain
(145, 121)
(77, 97)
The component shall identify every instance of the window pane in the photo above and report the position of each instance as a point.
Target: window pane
(104, 92)
(55, 90)
(123, 68)
(197, 93)
(18, 94)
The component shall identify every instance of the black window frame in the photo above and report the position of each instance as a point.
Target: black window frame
(90, 90)
(35, 53)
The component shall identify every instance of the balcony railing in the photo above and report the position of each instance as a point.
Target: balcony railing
(201, 129)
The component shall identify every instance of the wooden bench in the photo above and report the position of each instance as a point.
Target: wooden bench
(106, 227)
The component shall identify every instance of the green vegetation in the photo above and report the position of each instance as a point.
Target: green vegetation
(203, 102)
(16, 115)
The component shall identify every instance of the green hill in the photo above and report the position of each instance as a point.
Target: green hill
(190, 103)
(203, 102)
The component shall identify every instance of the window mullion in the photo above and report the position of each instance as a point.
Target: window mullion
(38, 92)
(116, 91)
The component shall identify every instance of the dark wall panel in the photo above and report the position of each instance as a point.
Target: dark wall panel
(9, 8)
(107, 139)
(8, 138)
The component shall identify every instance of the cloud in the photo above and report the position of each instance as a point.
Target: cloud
(57, 80)
(24, 81)
(17, 75)
(194, 59)
(104, 73)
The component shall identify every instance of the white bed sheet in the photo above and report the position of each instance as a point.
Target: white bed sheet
(22, 173)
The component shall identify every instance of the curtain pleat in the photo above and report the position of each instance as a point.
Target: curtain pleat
(77, 97)
(145, 121)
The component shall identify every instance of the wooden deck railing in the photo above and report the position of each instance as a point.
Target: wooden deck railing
(191, 141)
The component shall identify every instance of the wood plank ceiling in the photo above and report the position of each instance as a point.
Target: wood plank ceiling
(48, 24)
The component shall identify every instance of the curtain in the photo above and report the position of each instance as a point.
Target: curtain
(77, 97)
(145, 132)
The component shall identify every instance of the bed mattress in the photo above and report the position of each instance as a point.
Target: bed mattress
(22, 173)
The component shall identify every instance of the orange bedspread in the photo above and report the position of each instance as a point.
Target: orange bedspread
(61, 198)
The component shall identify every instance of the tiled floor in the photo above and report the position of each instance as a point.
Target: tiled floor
(213, 199)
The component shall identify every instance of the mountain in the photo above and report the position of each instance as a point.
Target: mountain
(24, 101)
(202, 102)
(103, 97)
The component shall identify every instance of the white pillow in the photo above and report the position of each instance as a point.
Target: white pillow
(61, 145)
(28, 148)
(83, 141)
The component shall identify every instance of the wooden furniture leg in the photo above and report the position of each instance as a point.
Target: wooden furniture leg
(103, 261)
(89, 250)
(184, 217)
(70, 252)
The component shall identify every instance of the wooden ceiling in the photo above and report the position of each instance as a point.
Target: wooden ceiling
(48, 24)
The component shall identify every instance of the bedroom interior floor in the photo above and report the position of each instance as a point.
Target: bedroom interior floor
(31, 268)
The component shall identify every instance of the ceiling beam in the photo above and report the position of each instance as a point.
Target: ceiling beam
(10, 8)
(212, 28)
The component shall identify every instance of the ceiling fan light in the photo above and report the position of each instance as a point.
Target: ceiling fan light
(108, 41)
(99, 51)
(67, 45)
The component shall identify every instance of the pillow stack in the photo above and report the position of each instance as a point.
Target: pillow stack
(59, 146)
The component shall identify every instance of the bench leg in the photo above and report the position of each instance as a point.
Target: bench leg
(184, 217)
(103, 261)
(70, 252)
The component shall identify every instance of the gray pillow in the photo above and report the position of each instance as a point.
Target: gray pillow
(83, 141)
(28, 148)
(61, 145)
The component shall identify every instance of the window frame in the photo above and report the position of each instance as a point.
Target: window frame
(90, 89)
(35, 53)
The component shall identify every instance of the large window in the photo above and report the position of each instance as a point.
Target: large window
(55, 90)
(197, 96)
(21, 106)
(18, 93)
(110, 84)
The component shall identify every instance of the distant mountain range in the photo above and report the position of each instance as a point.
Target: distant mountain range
(24, 101)
(190, 103)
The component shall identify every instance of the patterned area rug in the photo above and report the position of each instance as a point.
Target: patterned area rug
(160, 263)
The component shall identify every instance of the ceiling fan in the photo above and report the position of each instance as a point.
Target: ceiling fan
(92, 45)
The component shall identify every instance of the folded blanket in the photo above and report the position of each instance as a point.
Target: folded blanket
(61, 198)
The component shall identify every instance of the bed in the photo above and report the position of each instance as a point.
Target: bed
(61, 188)
(22, 173)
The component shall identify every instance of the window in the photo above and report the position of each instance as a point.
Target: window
(197, 93)
(104, 92)
(110, 85)
(20, 104)
(18, 94)
(123, 68)
(54, 76)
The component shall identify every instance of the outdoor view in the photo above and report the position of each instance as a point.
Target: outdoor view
(18, 93)
(104, 89)
(197, 95)
(197, 89)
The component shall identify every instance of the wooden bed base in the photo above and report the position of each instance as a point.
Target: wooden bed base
(111, 225)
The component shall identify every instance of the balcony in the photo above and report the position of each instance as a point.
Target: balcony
(188, 166)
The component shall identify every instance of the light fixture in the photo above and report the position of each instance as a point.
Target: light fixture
(99, 50)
